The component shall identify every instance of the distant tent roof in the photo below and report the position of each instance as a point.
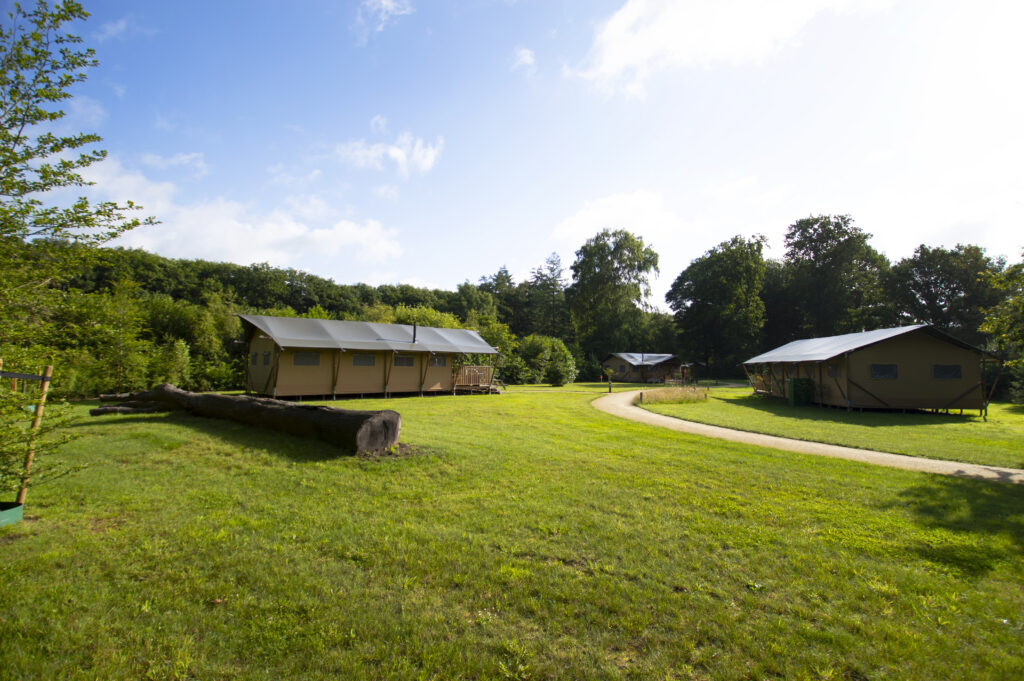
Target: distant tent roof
(293, 332)
(821, 349)
(642, 359)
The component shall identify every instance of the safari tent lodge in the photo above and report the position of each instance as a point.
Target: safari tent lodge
(639, 367)
(293, 357)
(907, 367)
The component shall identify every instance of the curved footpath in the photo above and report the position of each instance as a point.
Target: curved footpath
(621, 404)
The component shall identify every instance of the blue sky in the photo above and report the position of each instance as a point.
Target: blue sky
(391, 141)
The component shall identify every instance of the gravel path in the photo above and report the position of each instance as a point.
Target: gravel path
(621, 404)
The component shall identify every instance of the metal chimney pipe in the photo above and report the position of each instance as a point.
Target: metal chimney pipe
(414, 332)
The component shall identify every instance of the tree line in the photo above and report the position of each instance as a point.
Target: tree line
(129, 318)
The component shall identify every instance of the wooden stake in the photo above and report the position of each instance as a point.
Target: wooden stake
(34, 433)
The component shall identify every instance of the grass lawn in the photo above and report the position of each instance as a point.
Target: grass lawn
(531, 537)
(996, 442)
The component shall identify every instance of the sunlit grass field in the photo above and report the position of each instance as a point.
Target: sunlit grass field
(999, 441)
(529, 536)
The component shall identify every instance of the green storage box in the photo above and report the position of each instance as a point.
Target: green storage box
(801, 392)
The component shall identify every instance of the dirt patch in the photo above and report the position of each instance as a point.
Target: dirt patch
(399, 451)
(100, 525)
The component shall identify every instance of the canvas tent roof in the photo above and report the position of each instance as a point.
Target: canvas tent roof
(330, 334)
(642, 359)
(822, 349)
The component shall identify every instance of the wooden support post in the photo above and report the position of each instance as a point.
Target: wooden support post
(821, 387)
(425, 358)
(965, 393)
(248, 367)
(37, 421)
(337, 374)
(847, 393)
(871, 394)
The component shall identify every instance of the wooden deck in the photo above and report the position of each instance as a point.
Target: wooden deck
(475, 380)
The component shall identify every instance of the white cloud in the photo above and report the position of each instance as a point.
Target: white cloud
(310, 207)
(388, 192)
(280, 176)
(408, 153)
(524, 58)
(647, 36)
(301, 233)
(379, 124)
(374, 242)
(195, 161)
(111, 29)
(375, 15)
(165, 123)
(86, 112)
(641, 212)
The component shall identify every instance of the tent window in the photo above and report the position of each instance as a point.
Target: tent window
(306, 359)
(884, 371)
(622, 368)
(947, 371)
(404, 361)
(363, 359)
(266, 358)
(833, 371)
(438, 361)
(255, 358)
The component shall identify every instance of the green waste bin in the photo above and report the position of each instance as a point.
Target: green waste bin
(801, 390)
(10, 513)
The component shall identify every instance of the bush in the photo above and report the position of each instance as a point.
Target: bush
(548, 360)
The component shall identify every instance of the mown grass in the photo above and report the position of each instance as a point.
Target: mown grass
(529, 537)
(954, 437)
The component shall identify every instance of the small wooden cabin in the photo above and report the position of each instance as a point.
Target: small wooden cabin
(289, 357)
(907, 367)
(639, 367)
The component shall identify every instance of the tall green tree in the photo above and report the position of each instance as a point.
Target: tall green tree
(549, 314)
(510, 300)
(718, 309)
(837, 277)
(950, 289)
(610, 290)
(39, 64)
(1005, 322)
(782, 319)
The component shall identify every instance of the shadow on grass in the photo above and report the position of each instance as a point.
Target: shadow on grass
(869, 419)
(290, 447)
(971, 509)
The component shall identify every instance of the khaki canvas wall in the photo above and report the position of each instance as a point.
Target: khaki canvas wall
(915, 386)
(621, 370)
(293, 379)
(260, 364)
(915, 355)
(297, 379)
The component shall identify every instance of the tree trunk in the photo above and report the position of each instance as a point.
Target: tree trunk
(352, 430)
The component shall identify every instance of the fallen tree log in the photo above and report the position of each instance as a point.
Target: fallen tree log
(353, 430)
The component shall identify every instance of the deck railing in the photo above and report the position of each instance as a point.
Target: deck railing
(474, 376)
